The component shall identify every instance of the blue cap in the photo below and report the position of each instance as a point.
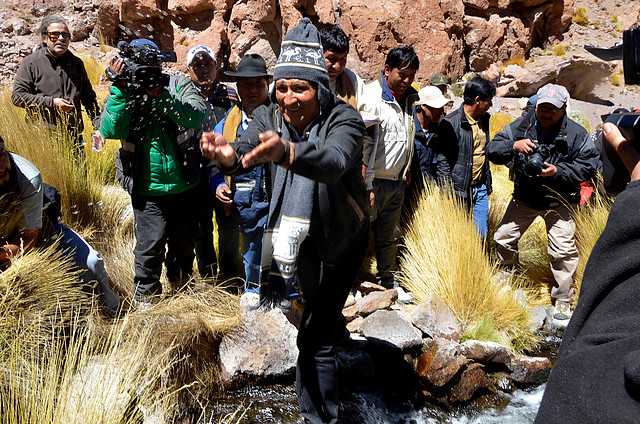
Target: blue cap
(139, 42)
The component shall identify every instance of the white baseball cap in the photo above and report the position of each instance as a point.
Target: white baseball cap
(432, 97)
(200, 50)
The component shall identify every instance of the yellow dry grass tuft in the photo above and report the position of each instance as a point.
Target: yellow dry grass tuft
(580, 16)
(516, 60)
(590, 222)
(444, 255)
(559, 50)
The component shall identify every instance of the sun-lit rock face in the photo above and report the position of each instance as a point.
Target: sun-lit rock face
(450, 36)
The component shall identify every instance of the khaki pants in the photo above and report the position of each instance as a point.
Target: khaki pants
(562, 245)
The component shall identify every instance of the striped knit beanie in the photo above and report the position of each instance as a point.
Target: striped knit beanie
(301, 55)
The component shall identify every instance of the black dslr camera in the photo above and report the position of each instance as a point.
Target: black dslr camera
(614, 172)
(140, 63)
(535, 161)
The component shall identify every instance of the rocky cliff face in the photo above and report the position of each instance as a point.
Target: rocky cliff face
(450, 36)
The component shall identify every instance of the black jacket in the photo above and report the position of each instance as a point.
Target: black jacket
(340, 209)
(454, 150)
(596, 378)
(571, 150)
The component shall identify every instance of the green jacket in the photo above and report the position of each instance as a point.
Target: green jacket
(151, 161)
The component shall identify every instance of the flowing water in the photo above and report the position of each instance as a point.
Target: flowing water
(278, 404)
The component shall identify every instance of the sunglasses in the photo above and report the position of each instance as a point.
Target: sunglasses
(54, 36)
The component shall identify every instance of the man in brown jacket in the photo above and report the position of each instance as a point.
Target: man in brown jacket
(52, 83)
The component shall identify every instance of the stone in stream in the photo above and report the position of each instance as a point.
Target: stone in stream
(391, 327)
(529, 369)
(486, 352)
(440, 362)
(262, 346)
(435, 319)
(471, 380)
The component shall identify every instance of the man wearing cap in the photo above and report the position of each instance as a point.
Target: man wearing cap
(318, 225)
(246, 194)
(441, 82)
(52, 83)
(551, 156)
(343, 82)
(462, 137)
(160, 170)
(203, 71)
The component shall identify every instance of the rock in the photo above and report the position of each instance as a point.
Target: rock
(502, 381)
(554, 326)
(355, 325)
(391, 327)
(530, 370)
(537, 316)
(440, 362)
(486, 352)
(107, 20)
(190, 6)
(435, 319)
(367, 287)
(471, 380)
(376, 301)
(262, 346)
(139, 10)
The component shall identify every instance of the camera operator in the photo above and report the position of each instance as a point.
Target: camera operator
(550, 155)
(159, 172)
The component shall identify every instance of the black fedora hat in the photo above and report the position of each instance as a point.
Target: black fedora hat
(251, 65)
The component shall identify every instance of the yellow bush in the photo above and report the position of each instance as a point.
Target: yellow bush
(559, 50)
(516, 60)
(580, 16)
(616, 79)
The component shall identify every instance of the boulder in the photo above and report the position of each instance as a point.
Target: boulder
(262, 346)
(486, 352)
(391, 327)
(537, 316)
(435, 319)
(367, 287)
(108, 20)
(471, 380)
(355, 325)
(440, 362)
(530, 369)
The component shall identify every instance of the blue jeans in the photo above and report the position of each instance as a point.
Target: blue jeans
(90, 264)
(480, 203)
(385, 223)
(251, 254)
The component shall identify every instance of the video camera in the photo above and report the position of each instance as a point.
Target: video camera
(614, 172)
(141, 65)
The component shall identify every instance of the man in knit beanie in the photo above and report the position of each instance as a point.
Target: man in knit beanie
(312, 142)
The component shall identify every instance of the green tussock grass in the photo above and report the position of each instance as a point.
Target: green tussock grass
(580, 118)
(580, 16)
(444, 255)
(485, 329)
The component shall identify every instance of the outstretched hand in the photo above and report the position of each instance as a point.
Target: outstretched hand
(215, 147)
(630, 157)
(271, 149)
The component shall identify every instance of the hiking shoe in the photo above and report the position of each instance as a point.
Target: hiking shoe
(563, 310)
(403, 296)
(249, 301)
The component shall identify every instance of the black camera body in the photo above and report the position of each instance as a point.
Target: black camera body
(141, 65)
(534, 163)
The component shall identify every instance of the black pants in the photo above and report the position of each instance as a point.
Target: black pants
(205, 251)
(228, 242)
(324, 289)
(161, 221)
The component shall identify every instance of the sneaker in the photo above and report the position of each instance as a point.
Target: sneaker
(403, 296)
(563, 310)
(249, 301)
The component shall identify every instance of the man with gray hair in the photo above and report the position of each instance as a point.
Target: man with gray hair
(551, 155)
(52, 83)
